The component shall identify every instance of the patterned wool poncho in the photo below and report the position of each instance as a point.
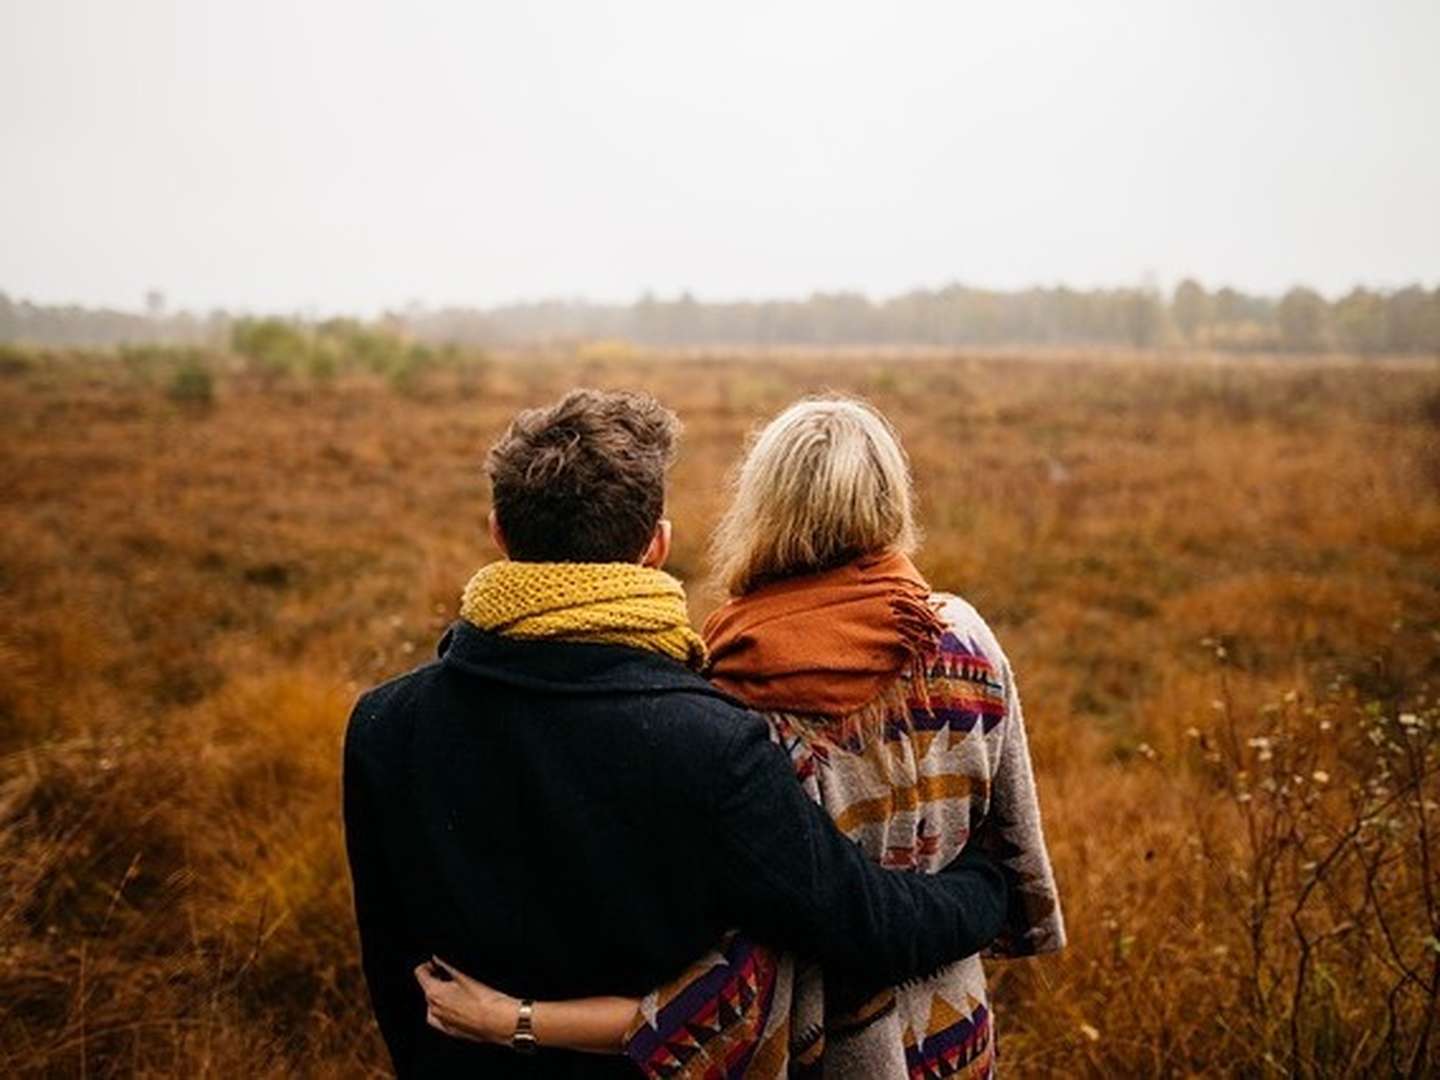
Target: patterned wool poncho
(931, 766)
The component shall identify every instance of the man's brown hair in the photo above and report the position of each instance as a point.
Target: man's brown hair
(584, 479)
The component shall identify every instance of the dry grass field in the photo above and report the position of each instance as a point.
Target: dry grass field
(1219, 584)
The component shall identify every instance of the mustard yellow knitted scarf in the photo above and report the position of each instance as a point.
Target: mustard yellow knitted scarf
(611, 603)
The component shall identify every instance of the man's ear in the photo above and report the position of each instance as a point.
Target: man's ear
(497, 537)
(659, 549)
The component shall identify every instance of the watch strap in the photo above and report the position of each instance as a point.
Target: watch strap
(523, 1039)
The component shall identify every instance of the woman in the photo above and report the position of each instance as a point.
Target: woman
(900, 715)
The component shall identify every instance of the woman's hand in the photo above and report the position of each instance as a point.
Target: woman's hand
(464, 1007)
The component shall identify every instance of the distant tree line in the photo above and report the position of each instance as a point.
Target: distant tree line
(70, 325)
(1363, 321)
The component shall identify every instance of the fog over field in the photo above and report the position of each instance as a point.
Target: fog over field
(341, 157)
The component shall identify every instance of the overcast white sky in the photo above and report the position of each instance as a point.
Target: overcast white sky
(351, 155)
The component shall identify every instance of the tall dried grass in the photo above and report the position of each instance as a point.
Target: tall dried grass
(1219, 584)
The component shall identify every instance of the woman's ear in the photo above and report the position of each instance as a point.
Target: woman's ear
(497, 537)
(659, 549)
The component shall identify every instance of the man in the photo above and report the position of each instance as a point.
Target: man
(563, 807)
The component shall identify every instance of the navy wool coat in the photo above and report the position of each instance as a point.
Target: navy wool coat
(563, 820)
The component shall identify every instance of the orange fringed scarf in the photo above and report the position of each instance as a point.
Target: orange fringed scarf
(827, 643)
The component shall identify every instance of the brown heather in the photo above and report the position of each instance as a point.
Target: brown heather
(1219, 583)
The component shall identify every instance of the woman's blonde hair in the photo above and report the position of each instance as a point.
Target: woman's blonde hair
(825, 482)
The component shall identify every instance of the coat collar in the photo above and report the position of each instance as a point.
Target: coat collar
(568, 667)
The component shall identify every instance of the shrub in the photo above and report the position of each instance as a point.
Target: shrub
(407, 371)
(324, 361)
(145, 363)
(192, 385)
(14, 360)
(1323, 856)
(272, 347)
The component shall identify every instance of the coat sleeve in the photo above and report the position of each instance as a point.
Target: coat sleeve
(387, 955)
(788, 877)
(1011, 832)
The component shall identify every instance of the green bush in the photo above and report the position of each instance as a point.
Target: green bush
(273, 347)
(192, 385)
(145, 363)
(14, 360)
(324, 362)
(406, 372)
(380, 353)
